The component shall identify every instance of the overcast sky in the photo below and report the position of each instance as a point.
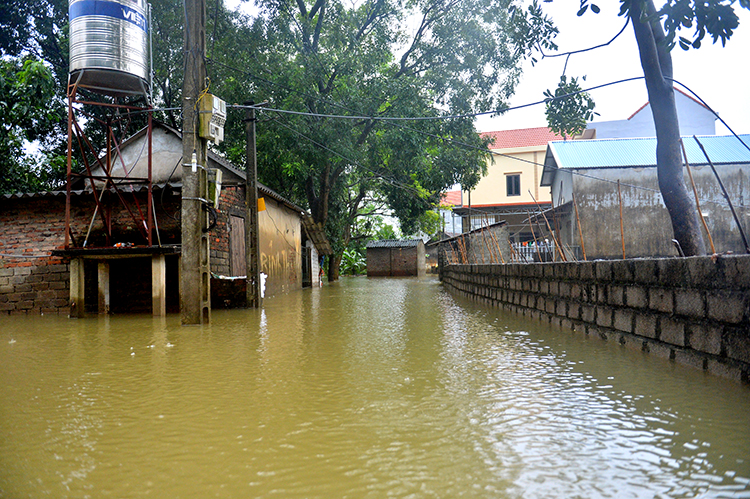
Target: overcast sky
(719, 75)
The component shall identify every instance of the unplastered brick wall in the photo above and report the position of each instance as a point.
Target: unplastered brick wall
(695, 310)
(30, 280)
(231, 201)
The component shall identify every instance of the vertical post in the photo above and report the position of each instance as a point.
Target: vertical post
(622, 228)
(159, 285)
(195, 295)
(252, 240)
(103, 284)
(77, 288)
(69, 165)
(150, 210)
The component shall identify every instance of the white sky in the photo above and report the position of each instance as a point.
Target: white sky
(719, 75)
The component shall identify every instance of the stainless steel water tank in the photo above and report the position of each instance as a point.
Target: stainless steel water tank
(109, 45)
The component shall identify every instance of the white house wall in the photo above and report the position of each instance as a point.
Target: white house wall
(694, 119)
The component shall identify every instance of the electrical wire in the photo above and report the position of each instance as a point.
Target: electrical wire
(461, 116)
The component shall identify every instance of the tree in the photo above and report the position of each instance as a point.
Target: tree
(26, 89)
(568, 116)
(655, 33)
(361, 59)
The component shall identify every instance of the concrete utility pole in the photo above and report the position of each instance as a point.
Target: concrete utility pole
(252, 237)
(195, 278)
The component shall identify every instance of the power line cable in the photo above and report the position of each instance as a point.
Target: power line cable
(394, 120)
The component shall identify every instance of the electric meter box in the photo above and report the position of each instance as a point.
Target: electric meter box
(213, 115)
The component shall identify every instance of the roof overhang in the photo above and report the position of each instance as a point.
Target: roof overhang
(317, 235)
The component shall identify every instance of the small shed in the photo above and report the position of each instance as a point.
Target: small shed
(392, 258)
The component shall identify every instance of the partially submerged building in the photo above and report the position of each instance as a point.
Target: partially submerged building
(37, 271)
(396, 258)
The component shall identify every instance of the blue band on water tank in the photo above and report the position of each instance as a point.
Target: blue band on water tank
(109, 9)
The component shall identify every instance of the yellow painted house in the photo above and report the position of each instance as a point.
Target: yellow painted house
(510, 190)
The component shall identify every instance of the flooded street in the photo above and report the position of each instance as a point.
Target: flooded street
(369, 388)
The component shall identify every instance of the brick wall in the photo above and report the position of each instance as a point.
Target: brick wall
(231, 201)
(31, 227)
(31, 281)
(695, 311)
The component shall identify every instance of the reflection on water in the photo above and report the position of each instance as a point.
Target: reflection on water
(368, 388)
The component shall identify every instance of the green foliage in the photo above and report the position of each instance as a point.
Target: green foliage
(429, 223)
(569, 109)
(353, 262)
(333, 57)
(26, 89)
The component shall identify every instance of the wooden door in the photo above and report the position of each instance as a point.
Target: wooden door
(237, 260)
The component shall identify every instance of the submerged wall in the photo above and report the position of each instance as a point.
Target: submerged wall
(695, 311)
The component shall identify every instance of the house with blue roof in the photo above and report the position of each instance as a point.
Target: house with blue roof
(593, 181)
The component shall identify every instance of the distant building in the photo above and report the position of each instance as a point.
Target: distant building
(396, 258)
(694, 118)
(511, 186)
(510, 190)
(450, 220)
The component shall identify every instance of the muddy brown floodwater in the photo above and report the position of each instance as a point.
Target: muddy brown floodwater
(370, 388)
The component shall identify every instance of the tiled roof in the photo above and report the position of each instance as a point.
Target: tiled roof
(451, 198)
(524, 137)
(394, 243)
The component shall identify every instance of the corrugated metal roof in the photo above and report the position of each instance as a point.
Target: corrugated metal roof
(87, 191)
(394, 243)
(623, 153)
(317, 235)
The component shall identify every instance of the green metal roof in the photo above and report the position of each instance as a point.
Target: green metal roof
(639, 153)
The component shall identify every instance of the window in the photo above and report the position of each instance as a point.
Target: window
(513, 184)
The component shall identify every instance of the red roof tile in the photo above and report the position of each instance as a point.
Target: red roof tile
(521, 138)
(452, 198)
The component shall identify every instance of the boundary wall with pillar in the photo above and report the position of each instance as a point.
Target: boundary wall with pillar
(695, 311)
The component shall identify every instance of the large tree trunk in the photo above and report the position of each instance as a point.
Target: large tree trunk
(334, 265)
(657, 69)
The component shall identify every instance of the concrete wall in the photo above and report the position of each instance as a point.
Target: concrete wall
(280, 247)
(646, 223)
(488, 245)
(695, 311)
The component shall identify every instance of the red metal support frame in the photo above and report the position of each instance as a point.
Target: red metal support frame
(107, 182)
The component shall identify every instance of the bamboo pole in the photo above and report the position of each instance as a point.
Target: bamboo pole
(554, 217)
(484, 240)
(552, 234)
(462, 249)
(513, 257)
(580, 231)
(622, 229)
(726, 196)
(497, 245)
(697, 201)
(541, 235)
